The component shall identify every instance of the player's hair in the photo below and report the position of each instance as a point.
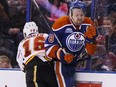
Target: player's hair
(4, 58)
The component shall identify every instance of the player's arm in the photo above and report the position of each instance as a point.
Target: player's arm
(20, 57)
(51, 46)
(55, 51)
(51, 43)
(90, 35)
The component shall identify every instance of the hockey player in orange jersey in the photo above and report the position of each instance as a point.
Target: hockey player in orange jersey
(31, 58)
(70, 35)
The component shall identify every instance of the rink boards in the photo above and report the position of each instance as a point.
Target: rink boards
(12, 78)
(16, 78)
(95, 79)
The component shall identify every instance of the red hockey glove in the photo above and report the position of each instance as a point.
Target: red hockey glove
(91, 32)
(63, 56)
(68, 57)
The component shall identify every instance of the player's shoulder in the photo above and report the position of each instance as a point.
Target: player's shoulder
(21, 43)
(44, 35)
(88, 20)
(24, 40)
(64, 20)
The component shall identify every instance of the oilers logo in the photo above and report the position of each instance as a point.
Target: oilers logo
(75, 41)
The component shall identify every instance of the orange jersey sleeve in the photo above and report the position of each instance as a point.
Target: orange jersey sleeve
(88, 21)
(90, 48)
(61, 22)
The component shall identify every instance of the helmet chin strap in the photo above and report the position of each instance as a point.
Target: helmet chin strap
(24, 34)
(30, 35)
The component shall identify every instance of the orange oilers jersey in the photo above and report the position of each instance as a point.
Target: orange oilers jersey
(29, 48)
(71, 38)
(65, 20)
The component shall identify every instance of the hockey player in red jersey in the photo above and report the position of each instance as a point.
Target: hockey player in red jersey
(70, 35)
(31, 58)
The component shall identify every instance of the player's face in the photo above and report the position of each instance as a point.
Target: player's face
(77, 16)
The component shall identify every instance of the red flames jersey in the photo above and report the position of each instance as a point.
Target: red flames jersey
(30, 47)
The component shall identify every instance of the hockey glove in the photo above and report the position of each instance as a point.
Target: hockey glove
(91, 32)
(68, 57)
(64, 57)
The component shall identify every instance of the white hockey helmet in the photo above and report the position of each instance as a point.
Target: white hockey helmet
(30, 29)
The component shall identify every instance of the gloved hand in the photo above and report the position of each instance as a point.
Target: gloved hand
(90, 32)
(63, 56)
(68, 57)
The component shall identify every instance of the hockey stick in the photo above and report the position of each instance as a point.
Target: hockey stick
(42, 14)
(83, 56)
(49, 26)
